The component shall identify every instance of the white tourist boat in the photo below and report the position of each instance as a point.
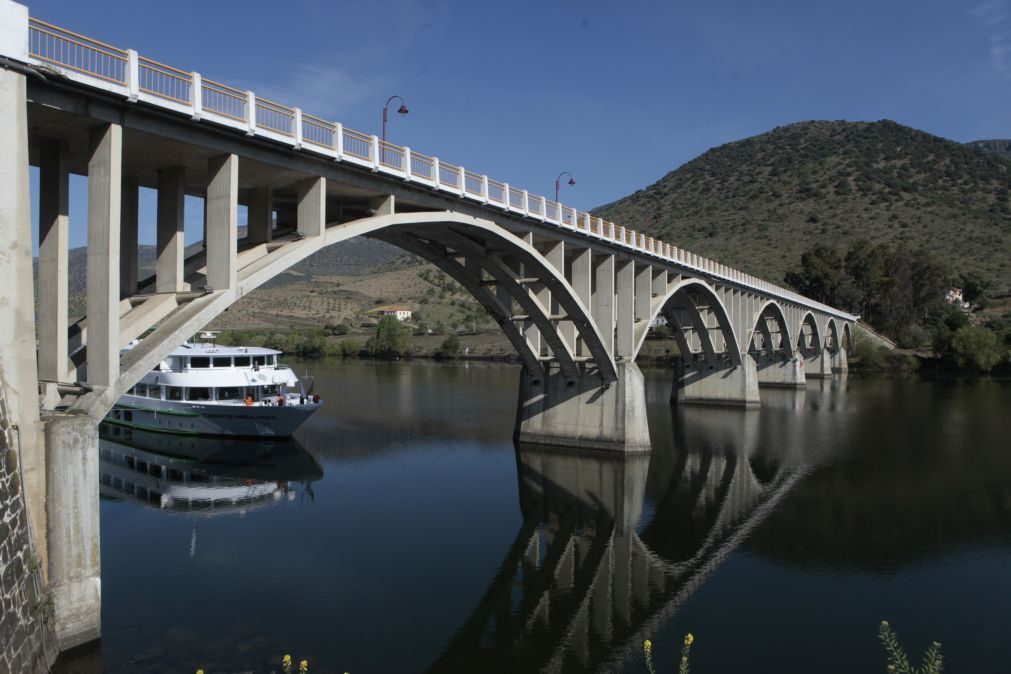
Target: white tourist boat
(207, 389)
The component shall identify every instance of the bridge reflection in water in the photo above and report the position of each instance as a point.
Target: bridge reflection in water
(612, 545)
(201, 476)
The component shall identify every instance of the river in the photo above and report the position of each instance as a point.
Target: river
(404, 532)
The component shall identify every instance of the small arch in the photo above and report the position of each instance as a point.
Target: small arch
(847, 336)
(832, 336)
(775, 311)
(681, 297)
(814, 345)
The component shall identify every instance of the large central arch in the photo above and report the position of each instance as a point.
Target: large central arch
(477, 253)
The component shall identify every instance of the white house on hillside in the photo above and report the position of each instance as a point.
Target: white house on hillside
(401, 311)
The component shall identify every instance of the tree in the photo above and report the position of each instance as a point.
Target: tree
(392, 339)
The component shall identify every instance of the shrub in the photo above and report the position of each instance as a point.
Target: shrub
(976, 348)
(449, 349)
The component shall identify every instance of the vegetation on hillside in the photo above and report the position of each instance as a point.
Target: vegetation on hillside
(758, 203)
(900, 292)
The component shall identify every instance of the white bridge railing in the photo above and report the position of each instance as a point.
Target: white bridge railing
(124, 72)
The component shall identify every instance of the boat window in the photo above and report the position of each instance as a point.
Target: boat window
(198, 393)
(140, 390)
(271, 390)
(200, 361)
(132, 391)
(175, 475)
(173, 393)
(140, 466)
(222, 361)
(229, 393)
(242, 361)
(259, 360)
(271, 359)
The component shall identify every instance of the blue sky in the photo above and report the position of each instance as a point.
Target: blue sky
(616, 93)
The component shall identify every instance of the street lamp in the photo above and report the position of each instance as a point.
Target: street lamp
(403, 111)
(572, 181)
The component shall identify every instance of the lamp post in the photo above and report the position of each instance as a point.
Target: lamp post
(572, 181)
(386, 109)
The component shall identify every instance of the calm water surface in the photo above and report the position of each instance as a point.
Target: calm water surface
(404, 532)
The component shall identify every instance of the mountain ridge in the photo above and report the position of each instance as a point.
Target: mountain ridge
(759, 202)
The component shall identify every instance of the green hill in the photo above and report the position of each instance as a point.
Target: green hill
(758, 203)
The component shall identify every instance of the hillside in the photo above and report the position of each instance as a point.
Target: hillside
(758, 203)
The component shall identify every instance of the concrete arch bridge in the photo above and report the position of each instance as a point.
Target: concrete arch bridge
(574, 294)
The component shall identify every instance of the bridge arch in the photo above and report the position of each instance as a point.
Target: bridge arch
(809, 339)
(689, 307)
(771, 310)
(847, 336)
(832, 341)
(473, 251)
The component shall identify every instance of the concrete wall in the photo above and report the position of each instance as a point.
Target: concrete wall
(27, 640)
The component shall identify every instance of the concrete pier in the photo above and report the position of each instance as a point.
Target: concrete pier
(73, 537)
(818, 366)
(725, 383)
(840, 362)
(586, 413)
(780, 370)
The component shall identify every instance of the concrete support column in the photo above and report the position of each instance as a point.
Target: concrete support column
(171, 246)
(723, 383)
(260, 228)
(129, 226)
(602, 301)
(222, 221)
(54, 211)
(312, 207)
(75, 563)
(586, 413)
(644, 282)
(582, 284)
(625, 310)
(105, 180)
(554, 253)
(17, 289)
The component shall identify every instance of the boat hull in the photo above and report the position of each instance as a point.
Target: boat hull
(188, 418)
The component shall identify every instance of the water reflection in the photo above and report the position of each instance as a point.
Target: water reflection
(201, 476)
(612, 545)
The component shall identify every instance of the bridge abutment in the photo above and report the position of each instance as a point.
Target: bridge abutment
(780, 371)
(723, 383)
(72, 456)
(555, 410)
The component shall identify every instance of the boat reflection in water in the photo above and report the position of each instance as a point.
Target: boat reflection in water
(612, 545)
(201, 476)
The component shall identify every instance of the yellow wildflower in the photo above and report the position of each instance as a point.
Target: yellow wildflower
(303, 666)
(200, 671)
(286, 660)
(689, 639)
(648, 645)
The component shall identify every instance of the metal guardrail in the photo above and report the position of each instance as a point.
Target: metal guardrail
(141, 78)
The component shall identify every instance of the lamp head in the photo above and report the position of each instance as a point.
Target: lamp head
(403, 109)
(572, 181)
